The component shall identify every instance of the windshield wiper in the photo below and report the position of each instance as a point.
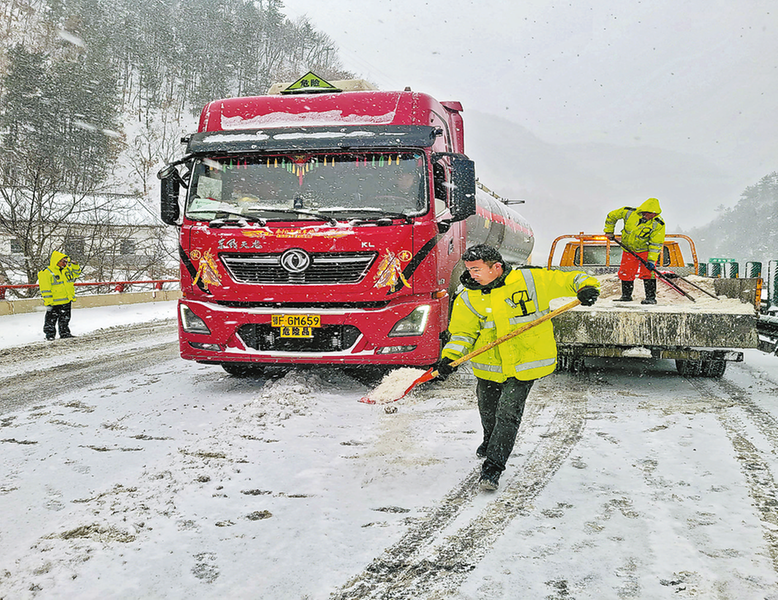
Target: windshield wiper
(298, 211)
(219, 222)
(377, 213)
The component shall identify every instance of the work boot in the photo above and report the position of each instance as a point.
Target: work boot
(626, 291)
(490, 477)
(650, 286)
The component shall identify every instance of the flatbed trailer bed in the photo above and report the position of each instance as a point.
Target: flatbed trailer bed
(700, 336)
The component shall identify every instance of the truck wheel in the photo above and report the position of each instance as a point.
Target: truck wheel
(241, 369)
(713, 368)
(689, 368)
(570, 364)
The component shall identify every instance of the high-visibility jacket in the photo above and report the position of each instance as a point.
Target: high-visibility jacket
(481, 315)
(56, 284)
(639, 234)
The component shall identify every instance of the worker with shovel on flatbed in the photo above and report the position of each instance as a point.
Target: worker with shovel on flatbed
(498, 299)
(642, 239)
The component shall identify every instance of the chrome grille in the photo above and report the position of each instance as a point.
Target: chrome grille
(325, 268)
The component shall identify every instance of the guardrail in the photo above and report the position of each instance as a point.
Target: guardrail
(728, 268)
(116, 286)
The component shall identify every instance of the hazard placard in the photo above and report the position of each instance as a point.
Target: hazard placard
(310, 83)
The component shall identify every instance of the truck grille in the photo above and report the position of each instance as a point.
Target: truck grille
(324, 268)
(330, 338)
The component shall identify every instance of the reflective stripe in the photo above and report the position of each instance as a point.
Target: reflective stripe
(489, 368)
(528, 318)
(580, 279)
(546, 362)
(463, 338)
(466, 300)
(532, 294)
(529, 281)
(488, 325)
(458, 348)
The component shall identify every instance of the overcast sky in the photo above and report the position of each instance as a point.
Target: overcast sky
(697, 76)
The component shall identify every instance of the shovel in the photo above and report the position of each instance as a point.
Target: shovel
(432, 374)
(660, 274)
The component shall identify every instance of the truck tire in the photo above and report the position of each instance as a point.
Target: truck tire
(569, 364)
(688, 367)
(713, 368)
(242, 369)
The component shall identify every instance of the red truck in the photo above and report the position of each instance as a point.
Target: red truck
(326, 226)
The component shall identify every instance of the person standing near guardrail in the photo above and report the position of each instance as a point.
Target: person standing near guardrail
(643, 234)
(58, 292)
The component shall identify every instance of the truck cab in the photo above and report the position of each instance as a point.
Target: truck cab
(597, 255)
(322, 224)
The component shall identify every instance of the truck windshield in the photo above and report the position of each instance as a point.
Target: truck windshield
(312, 186)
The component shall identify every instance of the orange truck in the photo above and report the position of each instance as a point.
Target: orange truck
(598, 255)
(700, 336)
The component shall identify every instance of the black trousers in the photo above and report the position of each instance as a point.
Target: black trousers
(501, 406)
(59, 314)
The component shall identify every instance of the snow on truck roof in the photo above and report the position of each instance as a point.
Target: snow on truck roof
(369, 107)
(312, 138)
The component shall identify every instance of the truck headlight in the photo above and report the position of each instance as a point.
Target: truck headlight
(414, 324)
(191, 323)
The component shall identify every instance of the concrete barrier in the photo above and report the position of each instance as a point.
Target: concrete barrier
(15, 307)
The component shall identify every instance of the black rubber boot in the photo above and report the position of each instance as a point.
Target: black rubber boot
(650, 286)
(626, 291)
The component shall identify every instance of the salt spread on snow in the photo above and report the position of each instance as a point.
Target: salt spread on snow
(394, 384)
(669, 300)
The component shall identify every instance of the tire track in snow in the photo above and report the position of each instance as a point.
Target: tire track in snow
(87, 360)
(424, 563)
(761, 483)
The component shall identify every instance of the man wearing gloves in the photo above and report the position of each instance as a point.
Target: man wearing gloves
(58, 291)
(497, 299)
(644, 234)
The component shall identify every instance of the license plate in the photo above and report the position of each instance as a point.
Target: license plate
(296, 326)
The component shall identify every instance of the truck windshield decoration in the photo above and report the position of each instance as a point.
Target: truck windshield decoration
(311, 186)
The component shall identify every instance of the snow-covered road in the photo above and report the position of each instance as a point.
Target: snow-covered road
(129, 473)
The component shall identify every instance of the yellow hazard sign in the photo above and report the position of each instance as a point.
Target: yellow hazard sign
(310, 82)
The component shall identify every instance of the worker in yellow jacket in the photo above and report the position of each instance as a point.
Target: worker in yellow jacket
(496, 300)
(58, 291)
(644, 234)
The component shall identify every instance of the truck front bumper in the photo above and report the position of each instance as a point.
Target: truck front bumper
(345, 336)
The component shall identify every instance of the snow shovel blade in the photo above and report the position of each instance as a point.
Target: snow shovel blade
(370, 398)
(432, 374)
(429, 375)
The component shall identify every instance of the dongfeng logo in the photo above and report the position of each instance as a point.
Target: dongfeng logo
(295, 260)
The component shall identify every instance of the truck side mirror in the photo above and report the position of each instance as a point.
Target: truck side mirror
(463, 188)
(169, 188)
